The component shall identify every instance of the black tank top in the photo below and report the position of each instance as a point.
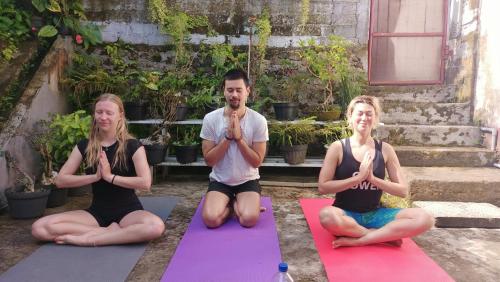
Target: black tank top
(363, 197)
(105, 194)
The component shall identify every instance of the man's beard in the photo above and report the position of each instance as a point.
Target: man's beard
(234, 106)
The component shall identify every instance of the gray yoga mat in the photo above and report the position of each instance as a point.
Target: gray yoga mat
(53, 262)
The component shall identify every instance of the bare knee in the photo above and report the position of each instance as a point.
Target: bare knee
(329, 218)
(425, 221)
(212, 219)
(248, 219)
(155, 229)
(39, 230)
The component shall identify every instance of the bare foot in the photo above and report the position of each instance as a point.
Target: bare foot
(85, 239)
(395, 243)
(345, 242)
(78, 240)
(353, 242)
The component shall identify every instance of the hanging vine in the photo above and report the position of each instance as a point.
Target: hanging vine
(304, 14)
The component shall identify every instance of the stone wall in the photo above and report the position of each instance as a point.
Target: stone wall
(129, 21)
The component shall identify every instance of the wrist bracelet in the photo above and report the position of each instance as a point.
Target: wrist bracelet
(113, 179)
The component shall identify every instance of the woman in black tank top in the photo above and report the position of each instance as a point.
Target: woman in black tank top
(116, 166)
(354, 170)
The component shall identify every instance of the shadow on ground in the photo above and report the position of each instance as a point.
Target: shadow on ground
(466, 254)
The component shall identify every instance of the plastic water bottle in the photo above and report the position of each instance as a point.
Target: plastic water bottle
(282, 275)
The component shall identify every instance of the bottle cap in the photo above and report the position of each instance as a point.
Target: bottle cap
(283, 267)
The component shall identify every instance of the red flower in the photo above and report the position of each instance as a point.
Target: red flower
(79, 39)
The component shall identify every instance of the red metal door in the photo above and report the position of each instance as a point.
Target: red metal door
(407, 42)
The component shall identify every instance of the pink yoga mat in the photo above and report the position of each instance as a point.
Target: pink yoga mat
(369, 263)
(228, 253)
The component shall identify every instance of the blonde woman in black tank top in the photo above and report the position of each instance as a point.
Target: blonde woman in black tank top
(354, 169)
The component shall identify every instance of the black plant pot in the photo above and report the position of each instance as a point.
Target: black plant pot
(23, 205)
(136, 110)
(286, 111)
(80, 191)
(181, 112)
(295, 154)
(155, 153)
(57, 197)
(186, 153)
(211, 107)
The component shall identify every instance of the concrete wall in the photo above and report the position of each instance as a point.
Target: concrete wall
(462, 42)
(40, 98)
(487, 100)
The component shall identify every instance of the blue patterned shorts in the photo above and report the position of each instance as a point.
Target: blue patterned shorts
(374, 219)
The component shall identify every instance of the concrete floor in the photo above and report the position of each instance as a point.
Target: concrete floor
(466, 254)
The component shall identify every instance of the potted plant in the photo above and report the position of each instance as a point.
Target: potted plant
(187, 144)
(337, 68)
(23, 199)
(137, 100)
(175, 82)
(286, 91)
(41, 139)
(67, 130)
(293, 138)
(157, 143)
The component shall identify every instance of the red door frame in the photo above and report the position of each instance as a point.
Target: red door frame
(444, 49)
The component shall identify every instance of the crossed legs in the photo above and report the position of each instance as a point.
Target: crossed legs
(216, 208)
(80, 228)
(408, 223)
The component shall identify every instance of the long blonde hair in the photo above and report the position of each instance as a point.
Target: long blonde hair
(364, 99)
(122, 135)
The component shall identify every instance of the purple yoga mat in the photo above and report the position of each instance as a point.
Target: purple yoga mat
(228, 253)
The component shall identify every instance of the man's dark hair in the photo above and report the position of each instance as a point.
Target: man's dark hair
(235, 74)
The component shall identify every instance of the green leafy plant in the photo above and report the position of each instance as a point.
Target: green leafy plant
(187, 135)
(332, 63)
(87, 78)
(14, 27)
(67, 130)
(178, 25)
(331, 132)
(304, 13)
(67, 14)
(299, 132)
(288, 88)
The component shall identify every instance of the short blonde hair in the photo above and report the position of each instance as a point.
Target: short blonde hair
(365, 99)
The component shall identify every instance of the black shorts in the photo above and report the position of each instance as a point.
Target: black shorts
(232, 191)
(106, 216)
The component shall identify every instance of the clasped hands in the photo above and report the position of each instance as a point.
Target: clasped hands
(233, 127)
(366, 168)
(104, 168)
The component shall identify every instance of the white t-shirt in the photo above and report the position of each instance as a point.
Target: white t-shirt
(233, 169)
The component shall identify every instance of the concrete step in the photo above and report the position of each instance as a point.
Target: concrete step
(422, 93)
(460, 184)
(397, 112)
(462, 214)
(429, 135)
(444, 156)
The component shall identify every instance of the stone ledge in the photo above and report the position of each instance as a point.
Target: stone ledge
(462, 214)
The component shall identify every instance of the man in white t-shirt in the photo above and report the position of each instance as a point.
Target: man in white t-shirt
(234, 145)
